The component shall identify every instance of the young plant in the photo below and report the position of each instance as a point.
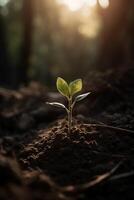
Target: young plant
(69, 90)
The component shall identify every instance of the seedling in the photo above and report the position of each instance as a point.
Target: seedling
(69, 90)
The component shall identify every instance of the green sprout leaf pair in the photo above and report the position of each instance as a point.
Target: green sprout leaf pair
(69, 90)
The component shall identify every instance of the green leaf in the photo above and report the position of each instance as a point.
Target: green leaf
(81, 97)
(56, 104)
(62, 87)
(75, 86)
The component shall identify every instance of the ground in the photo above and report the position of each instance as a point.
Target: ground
(40, 160)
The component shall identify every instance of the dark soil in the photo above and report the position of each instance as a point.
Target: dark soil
(40, 160)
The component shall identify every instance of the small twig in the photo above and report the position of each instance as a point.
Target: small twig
(109, 127)
(98, 180)
(123, 175)
(101, 178)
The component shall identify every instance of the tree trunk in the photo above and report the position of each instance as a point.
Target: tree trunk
(5, 70)
(112, 49)
(26, 47)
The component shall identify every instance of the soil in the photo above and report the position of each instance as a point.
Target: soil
(39, 159)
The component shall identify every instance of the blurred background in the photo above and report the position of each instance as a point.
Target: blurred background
(43, 39)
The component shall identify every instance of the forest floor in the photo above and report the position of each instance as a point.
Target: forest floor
(39, 160)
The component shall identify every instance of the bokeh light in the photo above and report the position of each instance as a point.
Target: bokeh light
(75, 5)
(104, 3)
(91, 3)
(3, 2)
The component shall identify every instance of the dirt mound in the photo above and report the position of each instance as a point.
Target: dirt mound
(77, 158)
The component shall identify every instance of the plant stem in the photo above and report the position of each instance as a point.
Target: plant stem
(69, 115)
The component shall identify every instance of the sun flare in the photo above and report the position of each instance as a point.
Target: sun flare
(104, 3)
(75, 5)
(84, 12)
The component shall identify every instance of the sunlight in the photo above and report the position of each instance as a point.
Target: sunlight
(84, 11)
(104, 3)
(3, 2)
(91, 3)
(90, 24)
(75, 5)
